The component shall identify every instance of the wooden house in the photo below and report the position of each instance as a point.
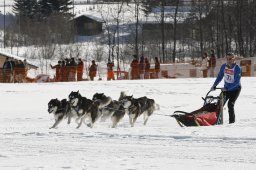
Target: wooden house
(87, 25)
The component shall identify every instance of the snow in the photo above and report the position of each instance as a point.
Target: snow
(26, 142)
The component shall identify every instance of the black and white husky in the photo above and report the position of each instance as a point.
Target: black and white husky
(114, 109)
(120, 112)
(60, 110)
(110, 105)
(139, 106)
(85, 108)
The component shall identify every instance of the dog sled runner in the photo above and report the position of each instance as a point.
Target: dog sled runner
(211, 113)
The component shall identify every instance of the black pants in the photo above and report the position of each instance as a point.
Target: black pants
(231, 97)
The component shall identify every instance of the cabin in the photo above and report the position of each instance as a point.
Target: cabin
(88, 25)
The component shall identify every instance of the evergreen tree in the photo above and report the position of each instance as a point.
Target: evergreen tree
(48, 7)
(25, 8)
(65, 6)
(45, 9)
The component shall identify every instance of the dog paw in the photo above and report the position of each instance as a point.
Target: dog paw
(90, 125)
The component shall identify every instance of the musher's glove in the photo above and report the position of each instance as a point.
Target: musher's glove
(224, 89)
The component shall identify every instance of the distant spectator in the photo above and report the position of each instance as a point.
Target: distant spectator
(58, 73)
(157, 67)
(72, 70)
(204, 64)
(80, 70)
(110, 73)
(19, 72)
(92, 70)
(142, 67)
(67, 69)
(135, 68)
(63, 71)
(211, 64)
(7, 70)
(147, 68)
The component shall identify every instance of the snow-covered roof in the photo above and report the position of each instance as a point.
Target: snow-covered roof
(92, 16)
(15, 57)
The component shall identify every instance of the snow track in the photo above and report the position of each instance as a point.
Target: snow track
(26, 142)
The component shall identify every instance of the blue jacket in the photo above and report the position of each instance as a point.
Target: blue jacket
(231, 76)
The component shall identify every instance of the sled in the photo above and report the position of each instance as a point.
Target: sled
(211, 113)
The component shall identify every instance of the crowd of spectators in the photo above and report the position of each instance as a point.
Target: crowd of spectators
(14, 71)
(68, 70)
(140, 69)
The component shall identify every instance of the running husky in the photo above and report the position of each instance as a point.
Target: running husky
(137, 107)
(114, 109)
(110, 105)
(60, 110)
(120, 112)
(84, 108)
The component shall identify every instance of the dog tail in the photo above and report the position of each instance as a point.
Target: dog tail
(104, 103)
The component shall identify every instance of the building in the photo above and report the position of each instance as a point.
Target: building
(18, 74)
(87, 25)
(4, 55)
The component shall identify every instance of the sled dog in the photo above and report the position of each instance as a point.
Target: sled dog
(139, 106)
(119, 113)
(110, 105)
(60, 110)
(85, 108)
(114, 109)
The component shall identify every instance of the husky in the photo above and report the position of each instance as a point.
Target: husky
(139, 106)
(114, 109)
(85, 108)
(60, 110)
(110, 105)
(120, 111)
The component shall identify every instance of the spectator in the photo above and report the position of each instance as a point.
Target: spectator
(142, 67)
(58, 73)
(110, 73)
(147, 68)
(19, 72)
(135, 68)
(63, 71)
(204, 64)
(72, 72)
(157, 67)
(7, 70)
(80, 70)
(67, 69)
(211, 64)
(92, 70)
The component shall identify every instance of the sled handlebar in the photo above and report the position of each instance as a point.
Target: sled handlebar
(211, 97)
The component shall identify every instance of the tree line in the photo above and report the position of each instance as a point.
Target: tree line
(223, 25)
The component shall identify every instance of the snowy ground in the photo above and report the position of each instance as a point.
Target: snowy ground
(26, 142)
